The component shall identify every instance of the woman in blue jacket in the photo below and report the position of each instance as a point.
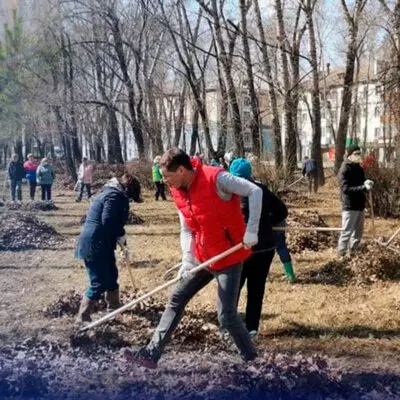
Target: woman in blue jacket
(103, 229)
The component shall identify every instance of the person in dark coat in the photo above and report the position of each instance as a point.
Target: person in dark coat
(310, 170)
(353, 188)
(256, 267)
(16, 173)
(103, 230)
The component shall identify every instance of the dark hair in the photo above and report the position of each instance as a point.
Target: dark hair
(132, 186)
(174, 158)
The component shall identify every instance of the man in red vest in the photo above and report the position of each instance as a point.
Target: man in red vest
(211, 221)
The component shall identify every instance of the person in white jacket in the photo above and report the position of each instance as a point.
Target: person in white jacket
(85, 179)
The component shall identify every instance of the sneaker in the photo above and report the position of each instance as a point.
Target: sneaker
(140, 357)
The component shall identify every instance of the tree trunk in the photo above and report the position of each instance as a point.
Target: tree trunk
(135, 119)
(226, 63)
(316, 152)
(290, 134)
(276, 125)
(114, 150)
(255, 119)
(195, 132)
(180, 118)
(351, 54)
(356, 108)
(65, 143)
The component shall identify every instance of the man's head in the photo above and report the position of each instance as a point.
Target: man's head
(84, 160)
(30, 157)
(353, 153)
(15, 157)
(177, 168)
(241, 167)
(45, 161)
(306, 158)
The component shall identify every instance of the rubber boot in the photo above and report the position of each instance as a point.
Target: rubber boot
(85, 310)
(112, 299)
(289, 272)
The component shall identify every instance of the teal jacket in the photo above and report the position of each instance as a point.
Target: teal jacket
(45, 175)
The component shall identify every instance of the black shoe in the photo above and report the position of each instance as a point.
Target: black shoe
(140, 357)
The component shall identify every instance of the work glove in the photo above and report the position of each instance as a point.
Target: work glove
(368, 184)
(185, 272)
(250, 240)
(122, 240)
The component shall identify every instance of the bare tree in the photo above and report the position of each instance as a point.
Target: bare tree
(353, 20)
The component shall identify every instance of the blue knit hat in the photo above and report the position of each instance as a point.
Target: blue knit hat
(241, 167)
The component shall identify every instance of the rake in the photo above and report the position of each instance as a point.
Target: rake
(160, 288)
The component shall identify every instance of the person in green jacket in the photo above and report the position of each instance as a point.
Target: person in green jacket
(158, 179)
(45, 177)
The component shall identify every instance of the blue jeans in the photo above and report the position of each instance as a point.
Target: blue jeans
(103, 276)
(280, 243)
(16, 190)
(228, 291)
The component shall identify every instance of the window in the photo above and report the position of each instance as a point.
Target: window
(378, 89)
(377, 132)
(365, 92)
(377, 111)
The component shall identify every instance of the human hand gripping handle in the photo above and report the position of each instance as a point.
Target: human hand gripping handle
(250, 239)
(185, 272)
(368, 184)
(122, 240)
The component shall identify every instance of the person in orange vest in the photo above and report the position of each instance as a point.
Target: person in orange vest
(208, 201)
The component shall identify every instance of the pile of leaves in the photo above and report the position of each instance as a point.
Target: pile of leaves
(386, 191)
(49, 370)
(372, 263)
(293, 197)
(299, 241)
(23, 232)
(133, 219)
(30, 206)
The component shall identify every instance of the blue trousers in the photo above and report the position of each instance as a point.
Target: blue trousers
(103, 276)
(280, 243)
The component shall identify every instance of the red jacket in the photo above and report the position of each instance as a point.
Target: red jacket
(217, 224)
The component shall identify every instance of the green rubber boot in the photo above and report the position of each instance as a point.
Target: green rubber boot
(289, 272)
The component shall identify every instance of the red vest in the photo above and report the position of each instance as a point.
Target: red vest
(217, 224)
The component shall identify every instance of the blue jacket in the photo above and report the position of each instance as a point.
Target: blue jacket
(104, 223)
(309, 166)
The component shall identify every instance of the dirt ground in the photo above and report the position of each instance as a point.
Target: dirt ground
(356, 326)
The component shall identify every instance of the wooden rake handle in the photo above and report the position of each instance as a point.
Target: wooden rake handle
(160, 288)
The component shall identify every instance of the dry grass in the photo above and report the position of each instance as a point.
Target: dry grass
(360, 326)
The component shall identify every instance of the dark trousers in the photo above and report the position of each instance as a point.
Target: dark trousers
(16, 190)
(228, 288)
(32, 189)
(88, 190)
(312, 182)
(46, 192)
(103, 275)
(255, 272)
(160, 190)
